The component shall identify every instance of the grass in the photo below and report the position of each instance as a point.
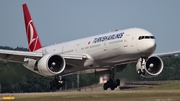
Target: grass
(110, 96)
(166, 92)
(161, 87)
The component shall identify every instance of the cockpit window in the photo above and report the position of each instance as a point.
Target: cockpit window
(140, 37)
(152, 37)
(146, 37)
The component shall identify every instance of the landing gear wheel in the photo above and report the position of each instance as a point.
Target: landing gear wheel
(143, 73)
(111, 83)
(58, 87)
(105, 86)
(112, 88)
(118, 82)
(139, 71)
(57, 83)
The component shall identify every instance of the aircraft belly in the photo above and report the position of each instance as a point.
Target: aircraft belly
(121, 59)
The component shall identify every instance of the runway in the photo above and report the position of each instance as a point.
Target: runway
(165, 92)
(121, 95)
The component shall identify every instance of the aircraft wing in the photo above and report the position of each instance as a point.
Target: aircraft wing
(19, 56)
(167, 54)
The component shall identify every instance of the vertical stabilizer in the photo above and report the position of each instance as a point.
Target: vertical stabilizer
(32, 36)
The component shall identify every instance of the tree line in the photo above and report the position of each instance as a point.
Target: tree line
(16, 78)
(170, 71)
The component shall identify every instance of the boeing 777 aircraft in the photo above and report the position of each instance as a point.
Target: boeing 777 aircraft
(104, 53)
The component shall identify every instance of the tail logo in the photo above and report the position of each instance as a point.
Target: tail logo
(31, 32)
(33, 38)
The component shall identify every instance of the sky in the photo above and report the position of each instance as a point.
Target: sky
(59, 21)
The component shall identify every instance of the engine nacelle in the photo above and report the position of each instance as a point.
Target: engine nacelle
(51, 65)
(151, 68)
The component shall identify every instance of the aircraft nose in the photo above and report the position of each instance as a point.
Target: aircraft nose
(151, 45)
(147, 47)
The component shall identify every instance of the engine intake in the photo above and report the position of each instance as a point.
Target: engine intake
(154, 65)
(51, 65)
(151, 68)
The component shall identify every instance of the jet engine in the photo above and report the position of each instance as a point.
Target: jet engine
(51, 65)
(151, 67)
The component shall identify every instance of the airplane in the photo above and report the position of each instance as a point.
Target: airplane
(106, 53)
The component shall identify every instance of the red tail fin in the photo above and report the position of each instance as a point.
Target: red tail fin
(32, 36)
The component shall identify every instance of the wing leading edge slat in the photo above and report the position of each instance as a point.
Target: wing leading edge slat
(17, 56)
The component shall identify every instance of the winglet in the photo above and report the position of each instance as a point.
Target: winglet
(32, 36)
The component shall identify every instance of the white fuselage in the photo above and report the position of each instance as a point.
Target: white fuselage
(109, 49)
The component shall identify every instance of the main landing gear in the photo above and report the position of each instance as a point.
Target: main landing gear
(57, 83)
(111, 83)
